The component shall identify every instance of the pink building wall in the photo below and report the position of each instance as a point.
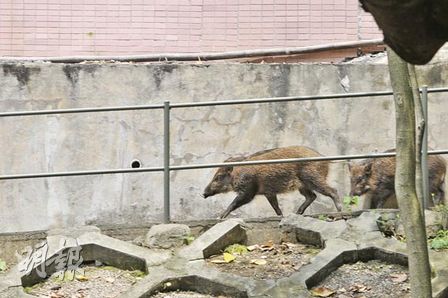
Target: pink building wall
(117, 27)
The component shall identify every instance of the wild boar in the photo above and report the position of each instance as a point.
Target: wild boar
(375, 178)
(272, 179)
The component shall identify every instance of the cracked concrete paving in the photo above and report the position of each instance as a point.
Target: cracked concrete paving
(344, 241)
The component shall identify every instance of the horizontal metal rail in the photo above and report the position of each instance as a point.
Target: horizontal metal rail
(203, 56)
(205, 166)
(80, 173)
(205, 103)
(81, 110)
(434, 90)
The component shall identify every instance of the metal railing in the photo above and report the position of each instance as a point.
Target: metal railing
(167, 106)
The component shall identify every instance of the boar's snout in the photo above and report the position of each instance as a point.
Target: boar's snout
(208, 193)
(359, 190)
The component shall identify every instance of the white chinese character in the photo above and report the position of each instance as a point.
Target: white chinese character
(34, 256)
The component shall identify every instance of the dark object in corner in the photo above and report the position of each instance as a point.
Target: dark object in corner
(414, 29)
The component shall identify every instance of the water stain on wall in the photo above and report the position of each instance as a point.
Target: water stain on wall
(21, 72)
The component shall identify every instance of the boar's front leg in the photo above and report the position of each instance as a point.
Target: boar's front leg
(380, 195)
(240, 200)
(272, 198)
(437, 196)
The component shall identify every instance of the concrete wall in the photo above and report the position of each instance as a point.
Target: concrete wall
(199, 135)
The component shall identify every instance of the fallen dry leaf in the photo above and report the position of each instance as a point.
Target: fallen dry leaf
(228, 257)
(81, 277)
(322, 292)
(268, 246)
(359, 288)
(253, 247)
(258, 262)
(399, 277)
(342, 290)
(289, 244)
(218, 261)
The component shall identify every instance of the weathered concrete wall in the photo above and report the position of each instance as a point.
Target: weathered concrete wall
(199, 135)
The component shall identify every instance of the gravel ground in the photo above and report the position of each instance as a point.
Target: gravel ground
(268, 261)
(370, 279)
(98, 282)
(184, 294)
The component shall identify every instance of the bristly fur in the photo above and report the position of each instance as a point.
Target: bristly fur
(272, 179)
(375, 179)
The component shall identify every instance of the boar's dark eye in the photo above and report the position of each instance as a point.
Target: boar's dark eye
(359, 179)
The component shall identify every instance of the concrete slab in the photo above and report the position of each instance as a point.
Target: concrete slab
(94, 243)
(215, 239)
(155, 277)
(439, 265)
(251, 286)
(91, 246)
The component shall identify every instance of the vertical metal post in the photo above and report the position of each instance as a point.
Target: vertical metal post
(166, 162)
(424, 153)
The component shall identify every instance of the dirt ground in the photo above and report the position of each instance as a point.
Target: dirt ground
(184, 294)
(371, 279)
(267, 261)
(89, 281)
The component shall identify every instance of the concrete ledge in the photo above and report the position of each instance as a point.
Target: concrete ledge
(353, 256)
(196, 284)
(311, 230)
(344, 242)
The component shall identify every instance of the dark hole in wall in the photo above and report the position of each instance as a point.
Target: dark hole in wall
(135, 164)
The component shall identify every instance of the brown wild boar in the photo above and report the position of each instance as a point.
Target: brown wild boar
(375, 178)
(272, 179)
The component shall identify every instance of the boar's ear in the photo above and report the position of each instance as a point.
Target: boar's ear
(228, 169)
(368, 169)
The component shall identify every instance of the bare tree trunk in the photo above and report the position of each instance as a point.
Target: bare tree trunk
(411, 213)
(419, 119)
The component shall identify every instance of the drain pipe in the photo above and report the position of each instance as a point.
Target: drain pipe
(201, 56)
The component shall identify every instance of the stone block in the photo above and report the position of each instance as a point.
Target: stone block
(215, 239)
(311, 230)
(166, 236)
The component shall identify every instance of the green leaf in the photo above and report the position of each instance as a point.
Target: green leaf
(189, 239)
(440, 241)
(347, 200)
(236, 249)
(2, 265)
(323, 217)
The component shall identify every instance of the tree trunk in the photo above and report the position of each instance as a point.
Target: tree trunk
(421, 196)
(405, 189)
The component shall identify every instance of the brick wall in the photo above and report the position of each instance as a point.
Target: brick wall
(109, 27)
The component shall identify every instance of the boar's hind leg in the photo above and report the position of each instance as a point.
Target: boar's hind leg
(309, 198)
(272, 198)
(240, 200)
(323, 188)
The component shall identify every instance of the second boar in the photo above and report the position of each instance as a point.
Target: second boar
(375, 179)
(272, 179)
